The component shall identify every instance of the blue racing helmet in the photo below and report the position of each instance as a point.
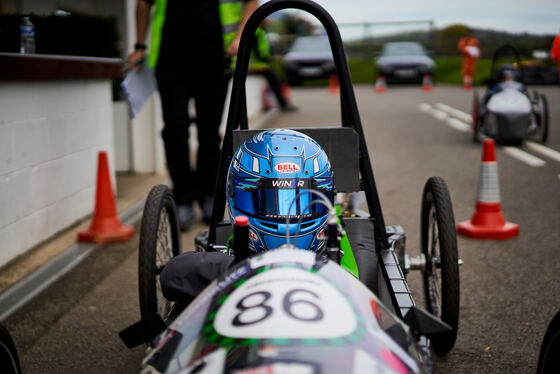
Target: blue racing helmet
(269, 180)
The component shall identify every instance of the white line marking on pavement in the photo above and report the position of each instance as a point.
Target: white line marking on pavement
(443, 116)
(545, 151)
(523, 156)
(465, 117)
(426, 108)
(458, 125)
(438, 114)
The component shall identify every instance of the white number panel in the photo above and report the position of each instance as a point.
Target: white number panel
(283, 255)
(285, 303)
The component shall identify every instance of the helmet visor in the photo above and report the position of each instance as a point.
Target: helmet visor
(282, 198)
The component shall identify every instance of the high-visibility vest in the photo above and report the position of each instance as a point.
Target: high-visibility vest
(231, 14)
(261, 51)
(555, 50)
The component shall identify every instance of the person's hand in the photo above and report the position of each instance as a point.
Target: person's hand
(234, 47)
(135, 60)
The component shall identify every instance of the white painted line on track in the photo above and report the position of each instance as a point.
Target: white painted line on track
(444, 116)
(523, 156)
(426, 108)
(545, 151)
(438, 114)
(458, 125)
(465, 117)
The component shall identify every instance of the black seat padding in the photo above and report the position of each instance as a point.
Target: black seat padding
(362, 240)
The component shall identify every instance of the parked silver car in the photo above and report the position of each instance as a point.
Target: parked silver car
(310, 57)
(404, 61)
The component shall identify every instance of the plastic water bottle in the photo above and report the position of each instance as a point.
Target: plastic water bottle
(26, 36)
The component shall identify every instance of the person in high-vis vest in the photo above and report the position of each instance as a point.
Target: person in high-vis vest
(555, 53)
(470, 51)
(191, 46)
(260, 64)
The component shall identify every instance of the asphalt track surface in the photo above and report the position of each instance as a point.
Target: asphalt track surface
(509, 289)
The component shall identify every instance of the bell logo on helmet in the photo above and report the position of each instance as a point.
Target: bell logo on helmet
(287, 167)
(253, 236)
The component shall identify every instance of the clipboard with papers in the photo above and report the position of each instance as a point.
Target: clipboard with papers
(138, 87)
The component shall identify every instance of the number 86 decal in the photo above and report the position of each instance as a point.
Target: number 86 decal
(288, 307)
(285, 303)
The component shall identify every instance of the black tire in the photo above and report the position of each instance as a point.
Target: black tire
(9, 360)
(549, 358)
(543, 118)
(439, 246)
(475, 112)
(159, 242)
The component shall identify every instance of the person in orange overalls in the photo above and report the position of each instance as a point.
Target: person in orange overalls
(470, 51)
(555, 53)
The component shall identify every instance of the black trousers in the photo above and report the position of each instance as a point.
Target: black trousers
(275, 85)
(187, 275)
(207, 87)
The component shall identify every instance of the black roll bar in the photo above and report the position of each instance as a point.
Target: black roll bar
(349, 110)
(501, 51)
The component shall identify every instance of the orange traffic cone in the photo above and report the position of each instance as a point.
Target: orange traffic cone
(106, 225)
(427, 84)
(380, 85)
(334, 86)
(286, 91)
(488, 221)
(266, 100)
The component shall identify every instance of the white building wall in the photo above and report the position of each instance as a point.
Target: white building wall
(50, 135)
(51, 132)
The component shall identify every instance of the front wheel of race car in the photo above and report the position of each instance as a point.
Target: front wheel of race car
(549, 360)
(542, 110)
(441, 274)
(159, 242)
(9, 360)
(475, 111)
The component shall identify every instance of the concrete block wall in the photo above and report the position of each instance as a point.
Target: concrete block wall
(50, 135)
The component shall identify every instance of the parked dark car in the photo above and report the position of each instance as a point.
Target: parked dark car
(404, 61)
(310, 57)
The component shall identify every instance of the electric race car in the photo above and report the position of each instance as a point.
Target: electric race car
(507, 111)
(297, 311)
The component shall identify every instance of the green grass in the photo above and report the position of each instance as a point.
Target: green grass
(448, 71)
(362, 71)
